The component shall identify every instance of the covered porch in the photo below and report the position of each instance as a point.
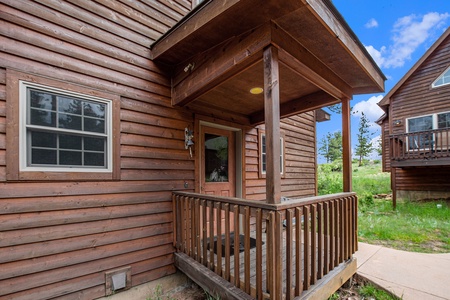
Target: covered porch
(301, 56)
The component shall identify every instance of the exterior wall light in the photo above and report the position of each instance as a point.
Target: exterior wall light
(256, 90)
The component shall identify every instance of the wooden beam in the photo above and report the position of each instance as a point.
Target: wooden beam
(191, 24)
(272, 121)
(348, 41)
(303, 62)
(207, 70)
(300, 105)
(346, 146)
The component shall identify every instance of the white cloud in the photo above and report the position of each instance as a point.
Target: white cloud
(409, 33)
(372, 23)
(370, 109)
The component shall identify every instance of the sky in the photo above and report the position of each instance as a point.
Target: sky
(396, 33)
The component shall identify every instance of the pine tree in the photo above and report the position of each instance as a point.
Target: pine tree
(364, 146)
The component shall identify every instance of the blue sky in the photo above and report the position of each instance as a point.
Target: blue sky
(396, 33)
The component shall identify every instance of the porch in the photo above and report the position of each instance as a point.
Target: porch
(300, 247)
(423, 148)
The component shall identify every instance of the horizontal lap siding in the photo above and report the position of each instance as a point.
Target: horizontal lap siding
(416, 97)
(423, 179)
(57, 239)
(299, 179)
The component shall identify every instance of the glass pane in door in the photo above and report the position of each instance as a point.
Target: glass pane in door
(216, 158)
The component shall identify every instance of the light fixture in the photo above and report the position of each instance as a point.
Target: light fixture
(188, 143)
(256, 90)
(398, 122)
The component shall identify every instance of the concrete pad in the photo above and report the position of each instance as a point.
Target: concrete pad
(407, 274)
(365, 252)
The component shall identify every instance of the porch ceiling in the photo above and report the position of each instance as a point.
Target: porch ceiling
(321, 60)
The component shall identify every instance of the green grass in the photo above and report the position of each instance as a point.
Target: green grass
(368, 291)
(414, 226)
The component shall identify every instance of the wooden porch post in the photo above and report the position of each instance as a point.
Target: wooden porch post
(272, 121)
(346, 146)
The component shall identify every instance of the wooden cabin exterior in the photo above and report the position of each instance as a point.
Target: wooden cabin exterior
(102, 137)
(416, 125)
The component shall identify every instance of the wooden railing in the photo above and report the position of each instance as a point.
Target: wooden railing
(420, 145)
(296, 242)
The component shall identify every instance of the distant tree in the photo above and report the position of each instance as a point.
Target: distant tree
(379, 147)
(364, 146)
(331, 146)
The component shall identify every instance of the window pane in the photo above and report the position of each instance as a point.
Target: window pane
(69, 105)
(94, 110)
(94, 125)
(42, 118)
(42, 100)
(70, 142)
(43, 139)
(43, 157)
(95, 144)
(444, 120)
(420, 124)
(216, 158)
(69, 122)
(70, 158)
(94, 159)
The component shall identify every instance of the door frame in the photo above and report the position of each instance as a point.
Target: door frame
(200, 123)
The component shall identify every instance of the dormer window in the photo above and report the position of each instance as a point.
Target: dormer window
(444, 79)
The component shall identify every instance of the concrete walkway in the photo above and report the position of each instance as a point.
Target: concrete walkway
(409, 275)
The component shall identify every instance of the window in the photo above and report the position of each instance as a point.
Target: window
(263, 154)
(64, 131)
(422, 125)
(443, 79)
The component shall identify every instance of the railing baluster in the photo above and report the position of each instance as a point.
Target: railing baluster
(237, 271)
(227, 242)
(320, 240)
(247, 249)
(289, 254)
(218, 269)
(259, 260)
(306, 248)
(298, 251)
(212, 222)
(204, 227)
(326, 236)
(270, 255)
(336, 233)
(197, 223)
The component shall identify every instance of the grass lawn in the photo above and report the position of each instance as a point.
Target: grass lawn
(414, 226)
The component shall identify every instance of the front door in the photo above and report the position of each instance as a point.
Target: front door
(218, 162)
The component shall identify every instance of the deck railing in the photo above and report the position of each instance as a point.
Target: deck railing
(420, 145)
(296, 243)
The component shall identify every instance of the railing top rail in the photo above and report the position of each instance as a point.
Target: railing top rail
(291, 203)
(419, 132)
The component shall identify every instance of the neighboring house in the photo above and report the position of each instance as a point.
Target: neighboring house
(98, 130)
(416, 127)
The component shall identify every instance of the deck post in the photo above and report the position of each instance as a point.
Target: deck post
(346, 146)
(272, 122)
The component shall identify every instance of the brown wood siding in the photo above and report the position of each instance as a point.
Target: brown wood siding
(58, 238)
(385, 146)
(423, 179)
(416, 97)
(299, 179)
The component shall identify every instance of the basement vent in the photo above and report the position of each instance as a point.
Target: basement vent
(117, 280)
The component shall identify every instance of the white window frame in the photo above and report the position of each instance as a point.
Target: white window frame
(262, 154)
(434, 85)
(23, 140)
(434, 125)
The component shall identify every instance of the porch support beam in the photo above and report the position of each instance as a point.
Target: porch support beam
(272, 121)
(297, 106)
(346, 146)
(208, 70)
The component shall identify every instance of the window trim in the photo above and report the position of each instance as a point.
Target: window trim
(16, 168)
(434, 122)
(433, 85)
(261, 172)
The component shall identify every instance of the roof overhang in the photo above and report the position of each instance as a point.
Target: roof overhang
(216, 57)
